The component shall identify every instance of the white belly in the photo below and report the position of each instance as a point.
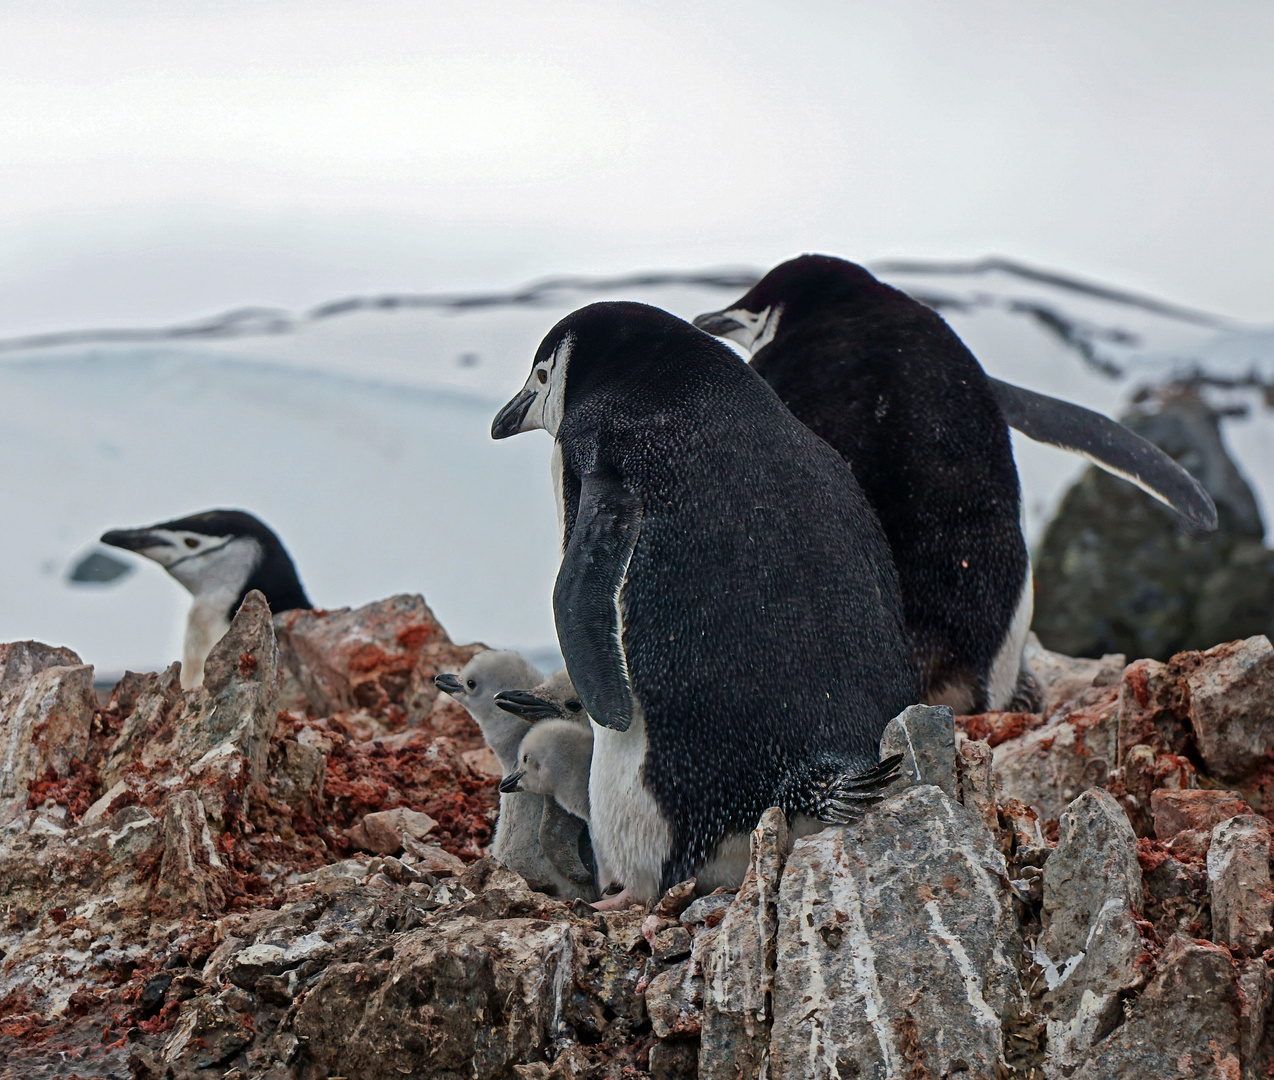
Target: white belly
(631, 837)
(1005, 668)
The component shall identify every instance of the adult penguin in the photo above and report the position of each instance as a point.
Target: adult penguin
(891, 387)
(726, 604)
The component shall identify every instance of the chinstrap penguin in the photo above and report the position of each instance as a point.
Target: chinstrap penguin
(534, 836)
(711, 541)
(219, 556)
(891, 387)
(554, 760)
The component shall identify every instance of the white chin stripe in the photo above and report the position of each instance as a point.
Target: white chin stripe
(757, 328)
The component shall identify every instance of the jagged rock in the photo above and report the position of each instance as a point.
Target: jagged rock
(1049, 766)
(380, 654)
(157, 701)
(925, 737)
(1151, 710)
(896, 948)
(1239, 883)
(708, 909)
(46, 708)
(674, 1001)
(1145, 775)
(386, 831)
(188, 875)
(977, 784)
(1090, 946)
(1115, 573)
(1188, 1024)
(1175, 894)
(1229, 689)
(738, 963)
(1062, 678)
(1176, 811)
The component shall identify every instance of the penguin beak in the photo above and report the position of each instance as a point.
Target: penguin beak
(508, 421)
(718, 324)
(448, 684)
(526, 705)
(512, 782)
(134, 539)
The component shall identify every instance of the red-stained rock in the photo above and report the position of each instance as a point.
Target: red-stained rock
(1176, 811)
(382, 654)
(1229, 698)
(46, 710)
(1064, 678)
(994, 728)
(1239, 883)
(1152, 710)
(386, 831)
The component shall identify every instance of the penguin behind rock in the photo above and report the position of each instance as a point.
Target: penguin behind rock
(219, 556)
(885, 381)
(554, 760)
(554, 698)
(527, 822)
(710, 540)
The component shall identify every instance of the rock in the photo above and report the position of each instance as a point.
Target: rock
(191, 873)
(1089, 949)
(674, 1000)
(483, 762)
(707, 909)
(46, 709)
(386, 831)
(896, 948)
(431, 858)
(1048, 767)
(1062, 678)
(671, 943)
(1151, 709)
(925, 736)
(1229, 689)
(1176, 894)
(675, 900)
(384, 653)
(976, 783)
(1239, 883)
(1176, 811)
(1189, 1022)
(674, 1060)
(1142, 776)
(738, 963)
(1114, 573)
(157, 702)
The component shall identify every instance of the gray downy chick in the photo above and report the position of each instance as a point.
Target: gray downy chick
(554, 759)
(553, 699)
(524, 815)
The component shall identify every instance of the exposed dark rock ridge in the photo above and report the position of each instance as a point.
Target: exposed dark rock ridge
(205, 884)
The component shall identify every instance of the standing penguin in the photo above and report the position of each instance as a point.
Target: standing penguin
(895, 392)
(219, 556)
(710, 540)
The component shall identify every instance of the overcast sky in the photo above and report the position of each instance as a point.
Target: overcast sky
(160, 161)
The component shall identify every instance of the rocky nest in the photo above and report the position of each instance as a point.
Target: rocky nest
(281, 875)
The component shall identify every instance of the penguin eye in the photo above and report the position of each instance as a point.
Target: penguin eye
(542, 375)
(472, 684)
(191, 542)
(573, 705)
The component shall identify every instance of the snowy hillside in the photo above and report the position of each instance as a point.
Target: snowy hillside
(360, 432)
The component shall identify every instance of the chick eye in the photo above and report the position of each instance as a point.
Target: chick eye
(542, 375)
(191, 542)
(573, 705)
(472, 684)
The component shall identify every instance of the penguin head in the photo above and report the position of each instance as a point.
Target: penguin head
(551, 752)
(555, 698)
(793, 289)
(594, 345)
(219, 551)
(485, 675)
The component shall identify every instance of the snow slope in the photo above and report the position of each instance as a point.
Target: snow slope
(361, 433)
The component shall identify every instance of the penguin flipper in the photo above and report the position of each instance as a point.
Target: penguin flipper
(586, 598)
(560, 834)
(1108, 445)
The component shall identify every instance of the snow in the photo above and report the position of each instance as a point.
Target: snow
(363, 439)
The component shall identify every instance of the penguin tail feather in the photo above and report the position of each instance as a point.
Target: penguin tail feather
(839, 797)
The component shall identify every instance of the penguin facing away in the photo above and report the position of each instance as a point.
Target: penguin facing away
(219, 556)
(887, 383)
(709, 540)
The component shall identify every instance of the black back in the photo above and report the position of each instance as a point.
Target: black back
(762, 622)
(892, 388)
(275, 576)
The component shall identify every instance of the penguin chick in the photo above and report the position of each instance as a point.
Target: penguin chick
(554, 698)
(219, 556)
(533, 836)
(479, 681)
(554, 759)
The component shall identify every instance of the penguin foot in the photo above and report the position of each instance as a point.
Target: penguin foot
(623, 899)
(848, 795)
